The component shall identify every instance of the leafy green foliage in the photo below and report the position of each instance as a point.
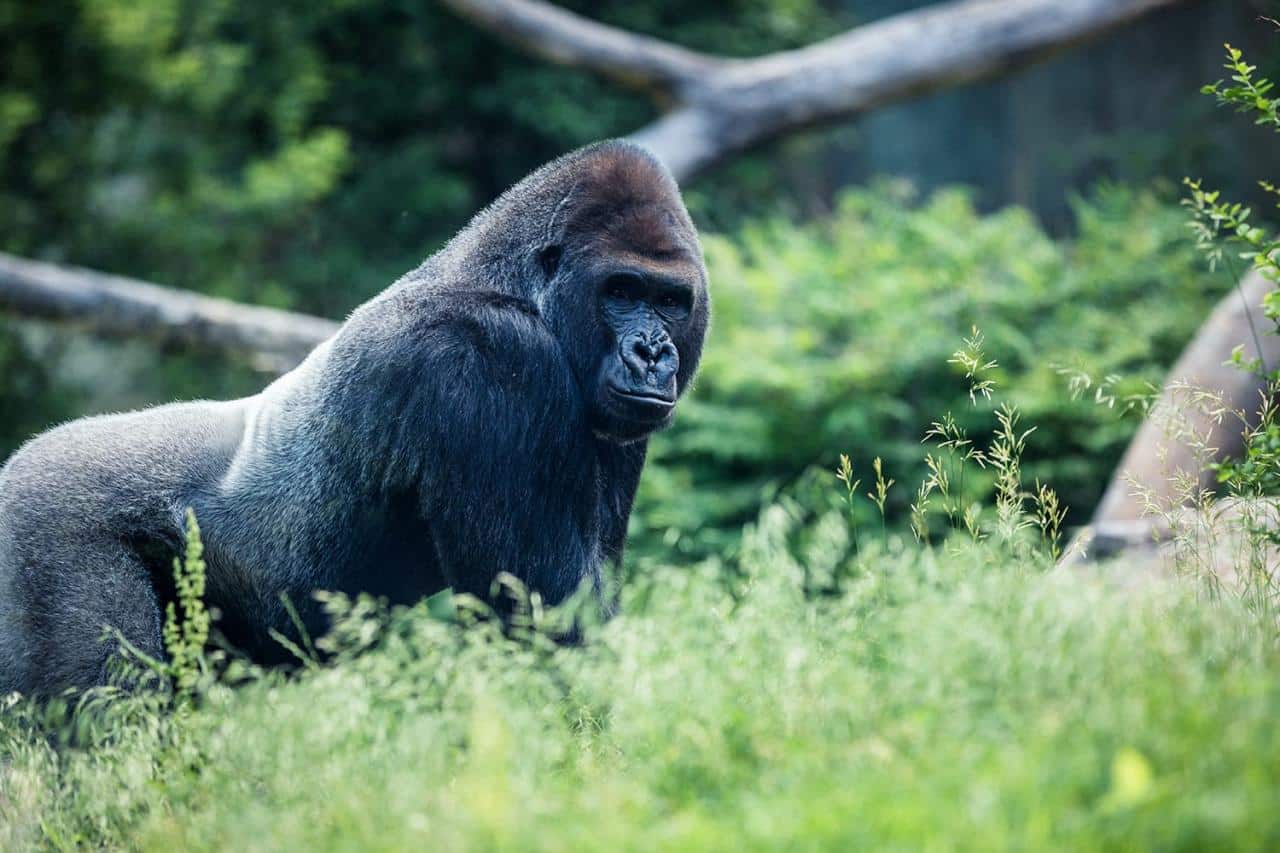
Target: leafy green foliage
(186, 621)
(835, 336)
(1220, 225)
(1249, 92)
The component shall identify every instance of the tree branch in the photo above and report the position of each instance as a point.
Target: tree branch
(123, 307)
(560, 36)
(725, 106)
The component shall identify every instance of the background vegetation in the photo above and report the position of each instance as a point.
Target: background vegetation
(834, 336)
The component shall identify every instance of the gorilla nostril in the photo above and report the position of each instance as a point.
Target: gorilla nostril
(647, 352)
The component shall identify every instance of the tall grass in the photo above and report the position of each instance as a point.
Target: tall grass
(934, 699)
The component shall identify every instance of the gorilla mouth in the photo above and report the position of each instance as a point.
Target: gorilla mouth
(651, 403)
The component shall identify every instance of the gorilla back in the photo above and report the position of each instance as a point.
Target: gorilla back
(486, 413)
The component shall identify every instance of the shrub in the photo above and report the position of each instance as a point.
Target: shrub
(834, 336)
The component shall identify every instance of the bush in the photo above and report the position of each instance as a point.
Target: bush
(834, 336)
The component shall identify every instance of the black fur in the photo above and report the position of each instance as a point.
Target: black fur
(488, 412)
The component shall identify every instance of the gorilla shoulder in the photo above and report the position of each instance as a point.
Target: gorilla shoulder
(431, 342)
(422, 372)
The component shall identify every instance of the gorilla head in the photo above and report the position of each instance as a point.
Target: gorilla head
(624, 286)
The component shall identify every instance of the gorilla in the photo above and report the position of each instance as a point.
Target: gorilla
(489, 412)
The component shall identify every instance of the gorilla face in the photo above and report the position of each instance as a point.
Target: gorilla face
(648, 315)
(633, 329)
(625, 290)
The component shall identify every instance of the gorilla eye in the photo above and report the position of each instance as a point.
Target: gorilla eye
(623, 287)
(675, 304)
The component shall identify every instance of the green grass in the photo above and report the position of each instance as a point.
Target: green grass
(945, 699)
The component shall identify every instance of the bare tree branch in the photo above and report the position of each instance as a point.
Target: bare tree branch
(725, 106)
(124, 307)
(560, 36)
(1162, 453)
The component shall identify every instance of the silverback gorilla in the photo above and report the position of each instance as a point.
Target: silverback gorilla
(486, 413)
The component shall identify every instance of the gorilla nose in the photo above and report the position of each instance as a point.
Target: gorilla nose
(648, 351)
(652, 360)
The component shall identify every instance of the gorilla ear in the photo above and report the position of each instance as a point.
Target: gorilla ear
(549, 260)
